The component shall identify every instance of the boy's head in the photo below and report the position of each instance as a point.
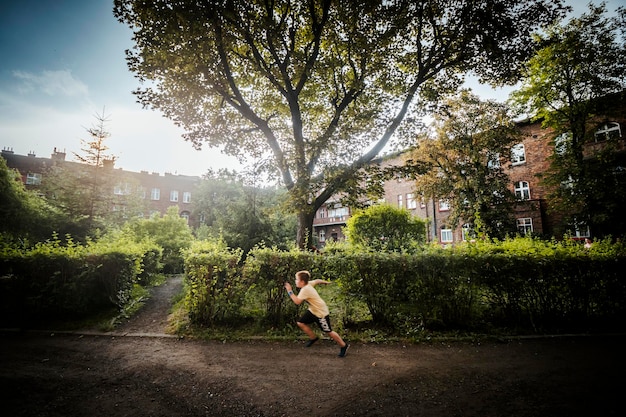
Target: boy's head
(302, 278)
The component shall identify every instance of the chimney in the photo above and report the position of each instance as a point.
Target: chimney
(108, 163)
(57, 156)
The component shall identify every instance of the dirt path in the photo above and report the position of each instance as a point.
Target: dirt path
(142, 374)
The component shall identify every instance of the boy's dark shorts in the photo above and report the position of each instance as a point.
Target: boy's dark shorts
(324, 323)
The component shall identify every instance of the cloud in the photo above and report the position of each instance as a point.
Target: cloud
(51, 83)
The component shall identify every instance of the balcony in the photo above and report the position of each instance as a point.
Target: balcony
(329, 221)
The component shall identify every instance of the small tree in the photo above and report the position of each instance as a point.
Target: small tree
(382, 227)
(84, 190)
(463, 154)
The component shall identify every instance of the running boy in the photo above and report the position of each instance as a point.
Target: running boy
(317, 312)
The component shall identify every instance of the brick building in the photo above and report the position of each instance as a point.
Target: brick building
(157, 192)
(529, 159)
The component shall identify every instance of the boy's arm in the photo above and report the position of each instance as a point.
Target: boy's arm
(318, 281)
(293, 297)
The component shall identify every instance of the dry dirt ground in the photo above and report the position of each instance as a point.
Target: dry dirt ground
(140, 371)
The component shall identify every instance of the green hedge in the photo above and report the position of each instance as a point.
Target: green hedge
(523, 284)
(213, 279)
(55, 280)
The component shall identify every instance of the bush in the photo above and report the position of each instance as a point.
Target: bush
(214, 283)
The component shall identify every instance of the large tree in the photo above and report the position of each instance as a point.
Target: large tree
(319, 86)
(578, 66)
(462, 152)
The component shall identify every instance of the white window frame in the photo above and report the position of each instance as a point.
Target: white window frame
(155, 194)
(524, 225)
(411, 202)
(608, 131)
(322, 236)
(444, 205)
(400, 201)
(449, 236)
(466, 232)
(33, 178)
(562, 142)
(494, 161)
(186, 197)
(174, 196)
(518, 154)
(522, 190)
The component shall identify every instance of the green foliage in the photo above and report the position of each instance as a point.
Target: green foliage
(522, 284)
(214, 284)
(260, 78)
(26, 216)
(579, 66)
(267, 270)
(382, 227)
(63, 279)
(169, 231)
(243, 216)
(470, 137)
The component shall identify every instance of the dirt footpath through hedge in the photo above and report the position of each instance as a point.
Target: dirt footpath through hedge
(140, 371)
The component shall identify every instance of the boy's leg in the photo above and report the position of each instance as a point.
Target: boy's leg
(335, 336)
(306, 329)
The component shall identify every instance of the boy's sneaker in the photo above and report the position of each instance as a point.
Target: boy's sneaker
(311, 341)
(343, 350)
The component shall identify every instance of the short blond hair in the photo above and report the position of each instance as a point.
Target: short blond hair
(303, 276)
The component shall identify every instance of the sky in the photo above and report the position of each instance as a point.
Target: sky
(63, 63)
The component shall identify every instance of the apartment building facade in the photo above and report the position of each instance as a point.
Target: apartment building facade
(529, 159)
(156, 192)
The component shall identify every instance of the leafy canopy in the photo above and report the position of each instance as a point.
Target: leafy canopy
(317, 88)
(579, 66)
(468, 138)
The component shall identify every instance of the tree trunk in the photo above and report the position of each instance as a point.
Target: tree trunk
(304, 234)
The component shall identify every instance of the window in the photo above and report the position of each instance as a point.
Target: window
(494, 161)
(411, 203)
(141, 191)
(186, 197)
(399, 200)
(122, 189)
(467, 232)
(569, 184)
(174, 195)
(608, 131)
(185, 215)
(155, 194)
(321, 213)
(338, 211)
(444, 205)
(562, 143)
(322, 236)
(525, 226)
(518, 154)
(522, 190)
(581, 229)
(446, 235)
(33, 178)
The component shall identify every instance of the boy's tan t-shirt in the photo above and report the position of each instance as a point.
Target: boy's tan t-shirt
(317, 306)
